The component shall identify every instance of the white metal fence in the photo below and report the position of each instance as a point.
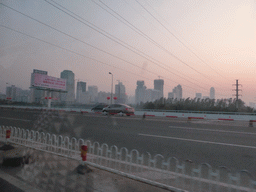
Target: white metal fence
(158, 171)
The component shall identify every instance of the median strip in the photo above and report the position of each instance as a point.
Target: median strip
(198, 141)
(225, 119)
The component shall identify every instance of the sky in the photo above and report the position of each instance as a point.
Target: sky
(197, 44)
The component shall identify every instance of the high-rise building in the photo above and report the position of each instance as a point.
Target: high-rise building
(212, 93)
(159, 85)
(140, 92)
(177, 91)
(120, 93)
(68, 97)
(36, 95)
(199, 95)
(80, 91)
(11, 93)
(93, 94)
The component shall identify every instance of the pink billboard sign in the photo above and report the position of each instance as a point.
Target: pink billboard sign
(45, 81)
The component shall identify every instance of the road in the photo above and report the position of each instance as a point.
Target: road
(219, 143)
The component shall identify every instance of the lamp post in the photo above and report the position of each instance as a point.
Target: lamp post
(111, 87)
(6, 85)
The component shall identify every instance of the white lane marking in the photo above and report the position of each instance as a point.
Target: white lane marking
(198, 141)
(214, 130)
(15, 119)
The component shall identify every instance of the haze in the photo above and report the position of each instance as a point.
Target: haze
(197, 44)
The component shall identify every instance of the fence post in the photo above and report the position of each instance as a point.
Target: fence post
(83, 168)
(8, 135)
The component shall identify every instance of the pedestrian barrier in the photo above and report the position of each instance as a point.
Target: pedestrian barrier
(158, 171)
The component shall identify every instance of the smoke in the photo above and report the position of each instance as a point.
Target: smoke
(144, 68)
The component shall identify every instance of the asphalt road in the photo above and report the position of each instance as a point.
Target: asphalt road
(219, 143)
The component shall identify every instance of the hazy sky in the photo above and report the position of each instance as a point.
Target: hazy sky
(197, 44)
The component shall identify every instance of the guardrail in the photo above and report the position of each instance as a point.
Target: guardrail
(158, 171)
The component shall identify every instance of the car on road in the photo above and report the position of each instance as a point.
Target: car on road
(121, 109)
(99, 107)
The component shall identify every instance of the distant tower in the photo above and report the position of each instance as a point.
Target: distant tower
(199, 95)
(80, 91)
(159, 85)
(68, 97)
(237, 92)
(140, 92)
(93, 93)
(212, 93)
(177, 91)
(120, 93)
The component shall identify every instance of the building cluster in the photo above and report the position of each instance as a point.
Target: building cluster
(16, 94)
(142, 94)
(212, 94)
(84, 94)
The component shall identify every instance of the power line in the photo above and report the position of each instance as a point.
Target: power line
(127, 46)
(177, 38)
(123, 43)
(96, 47)
(71, 51)
(151, 40)
(87, 44)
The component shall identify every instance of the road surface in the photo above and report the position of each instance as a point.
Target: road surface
(219, 143)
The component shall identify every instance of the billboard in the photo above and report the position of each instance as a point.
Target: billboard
(40, 71)
(48, 82)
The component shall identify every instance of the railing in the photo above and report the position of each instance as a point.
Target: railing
(158, 171)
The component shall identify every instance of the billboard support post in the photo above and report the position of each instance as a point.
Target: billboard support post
(49, 99)
(41, 81)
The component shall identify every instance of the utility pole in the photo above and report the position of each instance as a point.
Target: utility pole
(119, 92)
(237, 92)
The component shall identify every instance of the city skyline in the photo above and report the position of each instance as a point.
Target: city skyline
(197, 45)
(93, 95)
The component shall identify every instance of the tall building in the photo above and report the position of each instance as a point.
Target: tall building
(68, 97)
(11, 93)
(93, 94)
(159, 85)
(36, 95)
(120, 93)
(140, 92)
(212, 93)
(80, 91)
(177, 91)
(199, 95)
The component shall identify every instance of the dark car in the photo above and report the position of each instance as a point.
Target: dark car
(99, 107)
(119, 109)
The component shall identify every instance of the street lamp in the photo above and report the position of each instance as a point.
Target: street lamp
(111, 87)
(6, 84)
